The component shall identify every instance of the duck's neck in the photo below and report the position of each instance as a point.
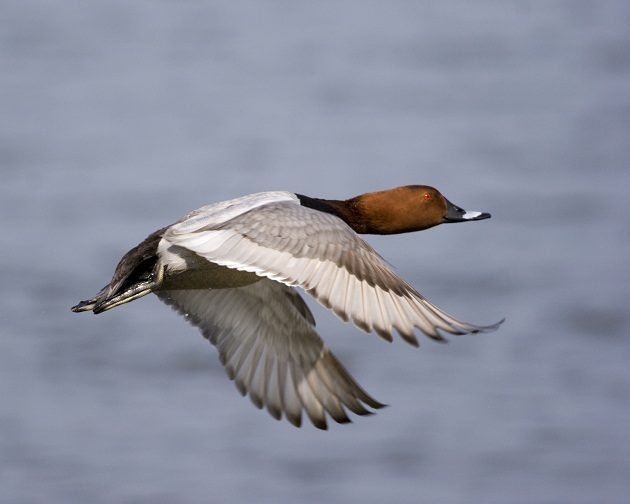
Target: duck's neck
(351, 211)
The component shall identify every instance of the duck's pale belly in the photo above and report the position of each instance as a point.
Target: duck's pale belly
(186, 270)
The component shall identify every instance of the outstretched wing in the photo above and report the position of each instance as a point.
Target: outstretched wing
(266, 338)
(320, 253)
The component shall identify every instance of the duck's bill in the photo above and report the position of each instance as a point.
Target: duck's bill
(457, 214)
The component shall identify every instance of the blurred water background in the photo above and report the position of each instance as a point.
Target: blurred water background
(119, 117)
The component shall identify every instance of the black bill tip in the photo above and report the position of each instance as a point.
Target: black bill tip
(458, 214)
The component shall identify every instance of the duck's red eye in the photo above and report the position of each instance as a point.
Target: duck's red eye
(426, 196)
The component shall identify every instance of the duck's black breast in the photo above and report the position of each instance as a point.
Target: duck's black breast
(318, 204)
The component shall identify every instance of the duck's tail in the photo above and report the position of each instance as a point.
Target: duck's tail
(109, 298)
(136, 275)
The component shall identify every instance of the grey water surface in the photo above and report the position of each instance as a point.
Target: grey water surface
(117, 117)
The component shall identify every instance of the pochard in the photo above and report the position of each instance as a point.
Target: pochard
(231, 269)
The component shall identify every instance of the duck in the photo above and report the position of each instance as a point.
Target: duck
(235, 270)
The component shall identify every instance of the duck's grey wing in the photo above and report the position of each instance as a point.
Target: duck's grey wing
(266, 339)
(320, 253)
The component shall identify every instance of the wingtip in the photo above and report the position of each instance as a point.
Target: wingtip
(484, 329)
(320, 424)
(495, 326)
